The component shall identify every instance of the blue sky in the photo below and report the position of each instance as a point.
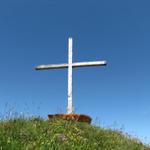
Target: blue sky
(34, 32)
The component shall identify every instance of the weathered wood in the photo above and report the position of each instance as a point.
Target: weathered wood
(70, 106)
(74, 65)
(71, 65)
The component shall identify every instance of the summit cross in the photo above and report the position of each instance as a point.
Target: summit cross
(71, 65)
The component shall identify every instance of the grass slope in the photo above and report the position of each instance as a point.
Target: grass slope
(39, 134)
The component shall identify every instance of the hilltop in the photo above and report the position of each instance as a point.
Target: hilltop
(56, 134)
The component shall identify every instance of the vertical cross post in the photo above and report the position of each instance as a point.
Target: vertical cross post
(70, 105)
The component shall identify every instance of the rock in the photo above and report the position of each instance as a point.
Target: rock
(72, 117)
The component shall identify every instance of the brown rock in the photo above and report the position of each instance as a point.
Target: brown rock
(72, 117)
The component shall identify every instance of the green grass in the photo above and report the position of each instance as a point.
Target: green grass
(39, 134)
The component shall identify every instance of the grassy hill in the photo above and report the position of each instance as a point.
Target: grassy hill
(55, 134)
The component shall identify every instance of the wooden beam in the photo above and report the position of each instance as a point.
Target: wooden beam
(70, 104)
(74, 65)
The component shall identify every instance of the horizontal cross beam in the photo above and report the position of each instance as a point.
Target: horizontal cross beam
(74, 65)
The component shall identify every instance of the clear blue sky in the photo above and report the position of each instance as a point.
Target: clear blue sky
(34, 32)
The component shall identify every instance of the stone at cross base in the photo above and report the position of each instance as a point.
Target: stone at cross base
(70, 114)
(72, 117)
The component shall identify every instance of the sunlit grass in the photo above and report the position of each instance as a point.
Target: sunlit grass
(40, 134)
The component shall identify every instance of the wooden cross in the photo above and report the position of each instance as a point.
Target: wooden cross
(70, 65)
